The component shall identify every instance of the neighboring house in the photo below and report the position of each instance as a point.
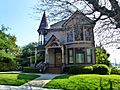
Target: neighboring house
(68, 42)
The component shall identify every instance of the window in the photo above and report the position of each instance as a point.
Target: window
(89, 55)
(79, 33)
(70, 36)
(80, 55)
(70, 56)
(87, 33)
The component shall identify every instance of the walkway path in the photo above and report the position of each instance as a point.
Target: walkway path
(35, 84)
(42, 80)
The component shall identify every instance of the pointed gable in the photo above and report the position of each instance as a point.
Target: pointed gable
(78, 18)
(53, 42)
(43, 24)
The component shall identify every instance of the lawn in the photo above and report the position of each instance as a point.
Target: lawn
(85, 82)
(16, 79)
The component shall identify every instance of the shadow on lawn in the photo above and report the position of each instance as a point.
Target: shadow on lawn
(26, 77)
(109, 84)
(63, 77)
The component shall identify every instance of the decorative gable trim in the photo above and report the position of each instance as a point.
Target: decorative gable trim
(72, 16)
(53, 42)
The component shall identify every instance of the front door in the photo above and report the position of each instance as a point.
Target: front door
(58, 57)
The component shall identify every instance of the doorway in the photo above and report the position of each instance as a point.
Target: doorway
(58, 56)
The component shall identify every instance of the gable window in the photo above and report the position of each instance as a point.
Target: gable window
(87, 33)
(79, 33)
(70, 36)
(89, 55)
(70, 56)
(80, 55)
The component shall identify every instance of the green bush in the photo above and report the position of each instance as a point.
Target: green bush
(80, 70)
(87, 69)
(115, 70)
(101, 69)
(30, 70)
(66, 69)
(7, 66)
(74, 70)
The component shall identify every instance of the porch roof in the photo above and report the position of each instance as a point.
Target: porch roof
(53, 42)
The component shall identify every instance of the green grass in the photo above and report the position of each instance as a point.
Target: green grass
(85, 82)
(16, 79)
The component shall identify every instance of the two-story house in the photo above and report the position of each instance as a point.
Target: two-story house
(68, 42)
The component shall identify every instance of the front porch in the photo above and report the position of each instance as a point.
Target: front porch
(54, 57)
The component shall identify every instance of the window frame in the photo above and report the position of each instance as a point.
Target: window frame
(90, 55)
(80, 53)
(70, 56)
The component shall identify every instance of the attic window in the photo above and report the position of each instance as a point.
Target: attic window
(70, 36)
(78, 33)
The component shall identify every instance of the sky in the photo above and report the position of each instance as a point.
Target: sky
(19, 16)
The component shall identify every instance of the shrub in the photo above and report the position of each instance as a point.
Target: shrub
(74, 70)
(80, 70)
(8, 66)
(66, 69)
(30, 70)
(115, 70)
(101, 69)
(87, 69)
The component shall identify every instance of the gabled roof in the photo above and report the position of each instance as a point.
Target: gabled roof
(88, 19)
(43, 23)
(58, 24)
(53, 40)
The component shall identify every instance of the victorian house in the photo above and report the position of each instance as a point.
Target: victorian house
(68, 42)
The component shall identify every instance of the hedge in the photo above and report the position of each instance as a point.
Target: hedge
(101, 69)
(115, 70)
(94, 69)
(80, 70)
(8, 66)
(31, 70)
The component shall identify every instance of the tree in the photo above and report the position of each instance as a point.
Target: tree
(28, 52)
(8, 48)
(104, 13)
(102, 56)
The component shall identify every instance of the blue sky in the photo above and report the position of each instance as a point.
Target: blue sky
(19, 16)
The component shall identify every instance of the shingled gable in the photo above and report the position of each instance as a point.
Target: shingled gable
(73, 15)
(53, 40)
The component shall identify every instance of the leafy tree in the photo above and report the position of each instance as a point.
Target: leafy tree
(102, 56)
(8, 48)
(104, 13)
(27, 52)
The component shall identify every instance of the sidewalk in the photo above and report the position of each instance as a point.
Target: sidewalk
(7, 87)
(42, 80)
(35, 84)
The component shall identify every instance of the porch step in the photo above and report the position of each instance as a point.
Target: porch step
(54, 70)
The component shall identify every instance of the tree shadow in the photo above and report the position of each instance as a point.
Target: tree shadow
(64, 76)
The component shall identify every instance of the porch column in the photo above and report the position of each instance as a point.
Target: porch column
(35, 55)
(46, 55)
(62, 54)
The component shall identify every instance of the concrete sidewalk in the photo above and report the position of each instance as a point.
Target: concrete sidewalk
(42, 80)
(35, 84)
(7, 87)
